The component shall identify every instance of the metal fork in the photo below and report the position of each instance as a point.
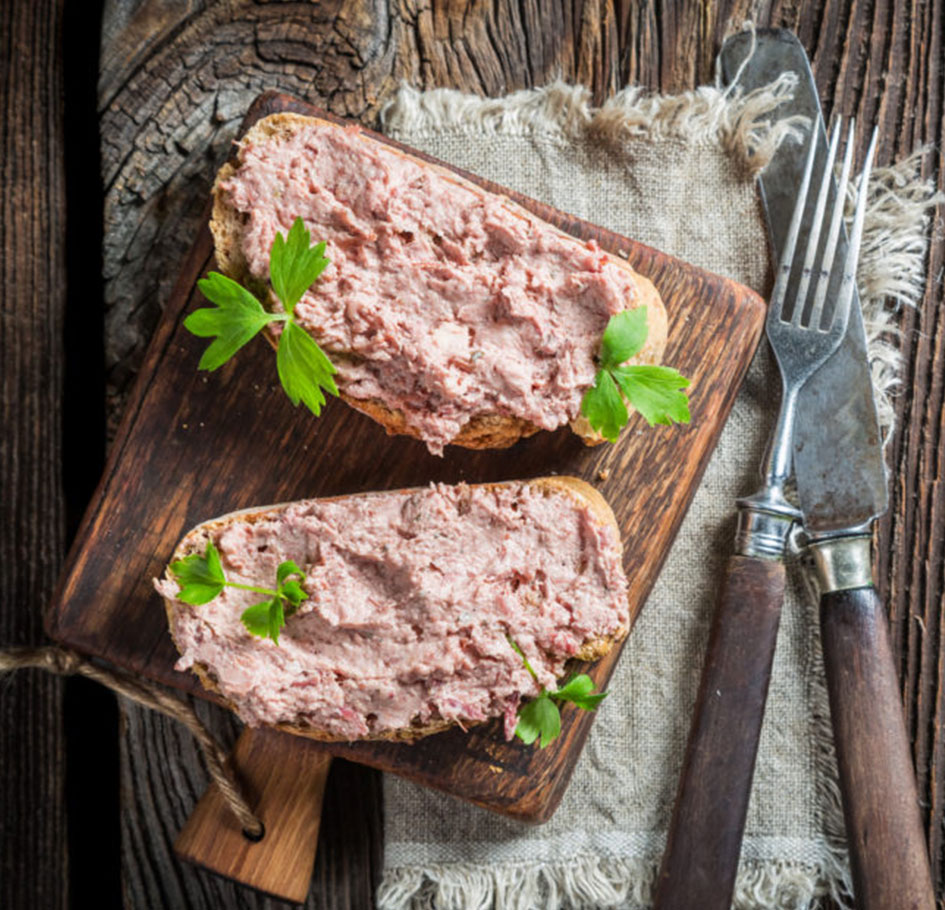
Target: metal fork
(798, 338)
(702, 849)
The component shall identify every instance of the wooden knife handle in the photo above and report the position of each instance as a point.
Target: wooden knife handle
(888, 852)
(705, 834)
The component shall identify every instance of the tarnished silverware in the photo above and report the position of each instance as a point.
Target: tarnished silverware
(841, 485)
(807, 318)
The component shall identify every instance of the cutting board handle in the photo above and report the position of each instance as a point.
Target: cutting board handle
(283, 777)
(888, 854)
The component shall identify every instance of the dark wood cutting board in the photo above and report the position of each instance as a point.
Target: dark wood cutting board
(195, 445)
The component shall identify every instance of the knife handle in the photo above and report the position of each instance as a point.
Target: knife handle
(705, 835)
(888, 853)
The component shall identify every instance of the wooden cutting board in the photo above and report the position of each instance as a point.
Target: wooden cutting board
(195, 445)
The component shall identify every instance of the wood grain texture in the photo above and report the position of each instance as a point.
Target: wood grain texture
(194, 446)
(161, 758)
(32, 308)
(177, 75)
(705, 835)
(884, 831)
(283, 779)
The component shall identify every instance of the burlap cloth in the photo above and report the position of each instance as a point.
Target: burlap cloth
(675, 173)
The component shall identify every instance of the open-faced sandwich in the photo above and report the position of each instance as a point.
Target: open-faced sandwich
(450, 313)
(396, 615)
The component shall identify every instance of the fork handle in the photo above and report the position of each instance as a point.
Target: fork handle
(705, 835)
(888, 853)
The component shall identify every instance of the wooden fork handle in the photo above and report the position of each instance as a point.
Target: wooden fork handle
(888, 853)
(705, 835)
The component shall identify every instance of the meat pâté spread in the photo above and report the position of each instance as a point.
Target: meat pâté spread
(441, 301)
(411, 600)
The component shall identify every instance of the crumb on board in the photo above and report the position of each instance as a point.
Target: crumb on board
(603, 474)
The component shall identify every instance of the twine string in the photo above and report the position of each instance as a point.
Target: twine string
(64, 662)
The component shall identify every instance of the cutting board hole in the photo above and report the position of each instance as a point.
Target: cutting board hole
(257, 836)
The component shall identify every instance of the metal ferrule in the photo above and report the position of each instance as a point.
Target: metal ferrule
(842, 562)
(764, 523)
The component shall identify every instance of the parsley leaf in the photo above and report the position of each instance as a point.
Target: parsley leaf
(655, 391)
(265, 619)
(201, 579)
(604, 408)
(579, 690)
(276, 618)
(256, 618)
(294, 265)
(286, 569)
(289, 588)
(236, 319)
(540, 718)
(292, 592)
(304, 369)
(624, 336)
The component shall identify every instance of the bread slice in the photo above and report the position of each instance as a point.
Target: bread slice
(484, 430)
(577, 491)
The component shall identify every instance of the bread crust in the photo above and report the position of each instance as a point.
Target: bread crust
(482, 431)
(194, 541)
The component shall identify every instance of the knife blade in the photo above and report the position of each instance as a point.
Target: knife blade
(840, 475)
(839, 411)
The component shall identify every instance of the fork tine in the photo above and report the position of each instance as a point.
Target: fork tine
(830, 247)
(813, 238)
(779, 292)
(845, 296)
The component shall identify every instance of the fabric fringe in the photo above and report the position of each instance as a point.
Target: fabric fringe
(585, 881)
(594, 881)
(726, 118)
(892, 267)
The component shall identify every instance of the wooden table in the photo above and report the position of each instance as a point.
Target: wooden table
(173, 77)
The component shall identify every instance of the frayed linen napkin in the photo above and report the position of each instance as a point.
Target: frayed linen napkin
(676, 173)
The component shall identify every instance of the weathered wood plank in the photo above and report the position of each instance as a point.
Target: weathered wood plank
(886, 64)
(162, 778)
(158, 92)
(32, 307)
(288, 782)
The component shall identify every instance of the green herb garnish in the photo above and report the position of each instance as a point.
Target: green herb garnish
(304, 370)
(201, 579)
(653, 390)
(540, 717)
